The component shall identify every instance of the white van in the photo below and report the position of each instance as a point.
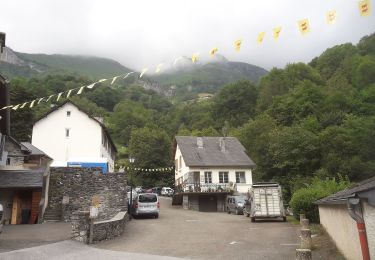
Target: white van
(166, 191)
(146, 204)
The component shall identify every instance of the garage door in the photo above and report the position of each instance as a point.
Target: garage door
(208, 203)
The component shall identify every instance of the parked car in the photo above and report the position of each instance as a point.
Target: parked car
(235, 204)
(139, 189)
(265, 201)
(146, 204)
(156, 190)
(166, 191)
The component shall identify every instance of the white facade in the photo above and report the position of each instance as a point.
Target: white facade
(68, 133)
(182, 172)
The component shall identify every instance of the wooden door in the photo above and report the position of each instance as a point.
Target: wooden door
(16, 209)
(35, 200)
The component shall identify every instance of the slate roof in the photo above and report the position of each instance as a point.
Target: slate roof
(21, 178)
(211, 155)
(34, 150)
(341, 196)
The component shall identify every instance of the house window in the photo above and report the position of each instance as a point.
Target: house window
(8, 161)
(223, 177)
(240, 177)
(68, 113)
(207, 177)
(67, 132)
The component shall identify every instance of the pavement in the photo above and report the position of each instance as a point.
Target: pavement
(201, 235)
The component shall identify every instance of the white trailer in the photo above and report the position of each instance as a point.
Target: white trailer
(265, 201)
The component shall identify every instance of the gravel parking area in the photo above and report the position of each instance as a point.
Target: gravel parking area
(199, 235)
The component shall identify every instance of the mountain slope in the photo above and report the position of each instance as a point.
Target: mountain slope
(27, 65)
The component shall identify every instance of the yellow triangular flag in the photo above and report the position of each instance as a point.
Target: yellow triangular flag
(40, 100)
(32, 103)
(143, 72)
(213, 51)
(16, 107)
(276, 32)
(237, 45)
(158, 68)
(195, 57)
(80, 90)
(364, 7)
(59, 96)
(69, 92)
(114, 79)
(24, 104)
(91, 85)
(127, 75)
(49, 98)
(331, 17)
(101, 80)
(304, 26)
(261, 37)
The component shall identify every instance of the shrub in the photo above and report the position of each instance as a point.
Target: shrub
(303, 199)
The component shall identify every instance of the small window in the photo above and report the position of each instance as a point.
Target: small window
(223, 177)
(68, 113)
(67, 132)
(240, 177)
(207, 177)
(8, 161)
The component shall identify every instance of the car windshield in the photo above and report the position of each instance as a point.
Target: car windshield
(241, 200)
(147, 198)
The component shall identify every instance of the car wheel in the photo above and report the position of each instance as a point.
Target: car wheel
(156, 215)
(252, 219)
(247, 215)
(228, 210)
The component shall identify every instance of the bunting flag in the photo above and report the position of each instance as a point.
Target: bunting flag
(91, 85)
(114, 79)
(143, 72)
(24, 104)
(59, 96)
(101, 80)
(195, 57)
(331, 17)
(260, 37)
(213, 51)
(128, 74)
(16, 107)
(80, 90)
(40, 100)
(276, 32)
(364, 7)
(49, 98)
(32, 103)
(69, 92)
(158, 68)
(304, 26)
(237, 45)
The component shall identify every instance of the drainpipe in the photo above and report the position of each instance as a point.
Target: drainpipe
(353, 203)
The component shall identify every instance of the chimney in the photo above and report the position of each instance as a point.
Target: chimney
(4, 97)
(222, 144)
(200, 142)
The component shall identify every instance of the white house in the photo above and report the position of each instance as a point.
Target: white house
(209, 168)
(74, 139)
(348, 216)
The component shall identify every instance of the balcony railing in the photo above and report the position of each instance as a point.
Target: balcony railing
(204, 187)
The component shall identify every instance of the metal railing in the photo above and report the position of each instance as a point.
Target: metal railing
(204, 187)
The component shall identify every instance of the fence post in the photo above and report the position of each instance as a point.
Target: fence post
(303, 254)
(306, 241)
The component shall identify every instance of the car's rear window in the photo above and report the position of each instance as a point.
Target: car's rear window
(147, 198)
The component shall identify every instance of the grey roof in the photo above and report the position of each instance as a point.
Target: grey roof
(211, 155)
(21, 178)
(34, 150)
(341, 196)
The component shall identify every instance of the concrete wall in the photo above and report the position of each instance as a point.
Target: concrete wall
(342, 229)
(369, 216)
(81, 185)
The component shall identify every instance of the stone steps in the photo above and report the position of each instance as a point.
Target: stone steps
(52, 214)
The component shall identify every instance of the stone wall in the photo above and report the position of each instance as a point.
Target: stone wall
(109, 229)
(78, 187)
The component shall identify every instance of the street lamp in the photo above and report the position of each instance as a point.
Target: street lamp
(131, 161)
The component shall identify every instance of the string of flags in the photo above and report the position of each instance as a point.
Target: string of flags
(304, 27)
(163, 169)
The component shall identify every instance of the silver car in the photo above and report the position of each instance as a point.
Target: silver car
(235, 204)
(146, 204)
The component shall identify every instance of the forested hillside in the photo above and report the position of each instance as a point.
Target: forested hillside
(304, 120)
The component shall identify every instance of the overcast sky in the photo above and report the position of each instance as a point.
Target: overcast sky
(143, 33)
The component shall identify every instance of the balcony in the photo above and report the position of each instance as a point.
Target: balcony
(205, 187)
